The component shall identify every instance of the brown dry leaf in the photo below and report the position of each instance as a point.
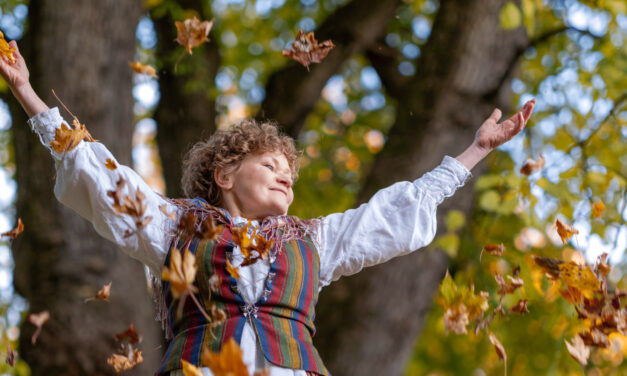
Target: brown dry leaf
(578, 350)
(11, 356)
(103, 293)
(217, 315)
(192, 33)
(242, 239)
(531, 166)
(110, 164)
(190, 369)
(602, 268)
(127, 204)
(127, 361)
(564, 231)
(579, 276)
(164, 210)
(306, 50)
(456, 319)
(597, 209)
(228, 362)
(129, 333)
(6, 51)
(143, 69)
(500, 350)
(16, 231)
(67, 138)
(208, 229)
(493, 249)
(233, 271)
(509, 286)
(181, 274)
(520, 307)
(549, 265)
(595, 338)
(38, 319)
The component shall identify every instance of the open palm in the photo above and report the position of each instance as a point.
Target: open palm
(492, 134)
(16, 74)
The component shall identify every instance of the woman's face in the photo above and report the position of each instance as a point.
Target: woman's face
(260, 187)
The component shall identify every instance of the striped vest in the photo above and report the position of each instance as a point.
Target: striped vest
(282, 318)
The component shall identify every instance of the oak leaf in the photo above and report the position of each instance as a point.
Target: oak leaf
(38, 319)
(143, 69)
(66, 138)
(190, 369)
(11, 356)
(192, 33)
(181, 273)
(564, 230)
(130, 334)
(531, 165)
(6, 51)
(578, 350)
(16, 231)
(102, 294)
(110, 164)
(228, 362)
(306, 50)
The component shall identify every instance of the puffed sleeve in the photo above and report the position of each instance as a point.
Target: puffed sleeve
(397, 220)
(82, 182)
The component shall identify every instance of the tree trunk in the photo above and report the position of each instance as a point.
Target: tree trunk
(368, 323)
(80, 49)
(186, 111)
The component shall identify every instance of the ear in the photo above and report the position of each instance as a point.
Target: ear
(222, 179)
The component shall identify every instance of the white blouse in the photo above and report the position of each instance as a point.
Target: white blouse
(397, 220)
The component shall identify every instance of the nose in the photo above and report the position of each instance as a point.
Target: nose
(284, 179)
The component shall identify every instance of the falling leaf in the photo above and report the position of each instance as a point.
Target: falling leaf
(103, 293)
(579, 276)
(531, 166)
(164, 210)
(192, 33)
(578, 350)
(493, 249)
(549, 266)
(228, 362)
(11, 356)
(233, 271)
(129, 333)
(509, 286)
(595, 338)
(143, 69)
(208, 229)
(456, 319)
(6, 50)
(520, 307)
(602, 268)
(597, 209)
(564, 231)
(500, 350)
(67, 138)
(124, 362)
(38, 319)
(182, 273)
(110, 164)
(190, 369)
(132, 206)
(306, 50)
(16, 231)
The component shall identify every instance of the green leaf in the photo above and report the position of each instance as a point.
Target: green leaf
(490, 200)
(448, 288)
(449, 243)
(455, 220)
(510, 16)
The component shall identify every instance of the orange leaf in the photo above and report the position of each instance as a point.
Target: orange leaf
(143, 69)
(192, 33)
(129, 333)
(38, 319)
(597, 209)
(306, 50)
(126, 361)
(190, 369)
(11, 356)
(110, 164)
(67, 138)
(6, 51)
(531, 166)
(579, 276)
(564, 231)
(16, 231)
(233, 271)
(493, 249)
(181, 274)
(228, 362)
(520, 307)
(578, 350)
(103, 293)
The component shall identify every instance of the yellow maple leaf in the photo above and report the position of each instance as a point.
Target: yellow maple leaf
(67, 138)
(232, 270)
(579, 276)
(190, 369)
(564, 231)
(143, 69)
(192, 33)
(6, 50)
(597, 209)
(228, 362)
(181, 273)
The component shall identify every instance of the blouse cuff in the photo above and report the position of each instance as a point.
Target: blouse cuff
(44, 124)
(444, 180)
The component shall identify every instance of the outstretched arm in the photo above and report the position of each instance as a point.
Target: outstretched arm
(492, 134)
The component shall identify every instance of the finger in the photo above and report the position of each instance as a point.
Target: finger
(528, 109)
(520, 123)
(496, 115)
(17, 50)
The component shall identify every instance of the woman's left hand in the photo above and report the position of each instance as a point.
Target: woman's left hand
(492, 134)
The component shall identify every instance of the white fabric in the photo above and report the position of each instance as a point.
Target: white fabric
(397, 220)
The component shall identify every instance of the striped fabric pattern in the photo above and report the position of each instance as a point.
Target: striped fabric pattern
(283, 319)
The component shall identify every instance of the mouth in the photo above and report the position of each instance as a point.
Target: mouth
(279, 190)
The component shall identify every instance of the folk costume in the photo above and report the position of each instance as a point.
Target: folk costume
(270, 307)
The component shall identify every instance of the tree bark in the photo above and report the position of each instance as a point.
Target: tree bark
(186, 111)
(80, 49)
(368, 323)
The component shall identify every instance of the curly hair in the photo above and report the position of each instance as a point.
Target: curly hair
(227, 149)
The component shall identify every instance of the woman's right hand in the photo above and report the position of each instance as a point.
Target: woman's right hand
(15, 74)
